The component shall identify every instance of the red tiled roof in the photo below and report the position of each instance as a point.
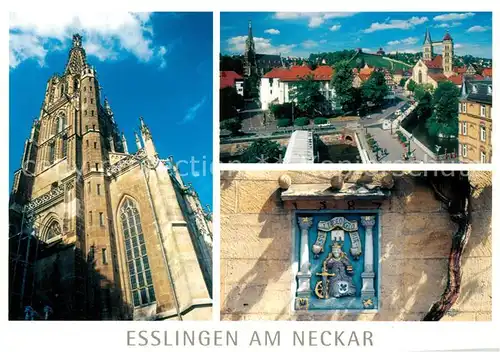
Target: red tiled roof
(457, 79)
(364, 76)
(438, 77)
(447, 36)
(296, 73)
(437, 62)
(460, 69)
(367, 70)
(488, 72)
(228, 78)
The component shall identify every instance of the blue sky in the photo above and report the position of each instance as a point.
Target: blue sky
(155, 65)
(302, 33)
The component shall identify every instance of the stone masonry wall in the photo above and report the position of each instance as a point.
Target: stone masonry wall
(256, 245)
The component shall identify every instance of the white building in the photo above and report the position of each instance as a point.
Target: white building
(276, 85)
(231, 79)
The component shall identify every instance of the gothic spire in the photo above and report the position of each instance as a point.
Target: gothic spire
(77, 58)
(250, 64)
(137, 141)
(145, 132)
(427, 39)
(124, 143)
(250, 34)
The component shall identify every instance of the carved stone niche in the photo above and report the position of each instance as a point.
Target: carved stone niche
(336, 237)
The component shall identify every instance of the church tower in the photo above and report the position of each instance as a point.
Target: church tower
(447, 55)
(250, 64)
(97, 231)
(427, 47)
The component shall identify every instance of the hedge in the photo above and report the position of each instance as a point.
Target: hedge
(320, 121)
(301, 121)
(284, 122)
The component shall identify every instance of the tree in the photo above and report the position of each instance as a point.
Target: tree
(375, 89)
(282, 111)
(263, 151)
(233, 125)
(308, 97)
(342, 83)
(444, 120)
(402, 82)
(411, 85)
(229, 101)
(231, 63)
(424, 107)
(251, 87)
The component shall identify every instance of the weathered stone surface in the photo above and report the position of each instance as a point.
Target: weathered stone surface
(476, 290)
(249, 236)
(423, 282)
(276, 274)
(228, 199)
(257, 197)
(256, 299)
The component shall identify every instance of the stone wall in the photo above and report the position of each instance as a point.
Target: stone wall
(256, 250)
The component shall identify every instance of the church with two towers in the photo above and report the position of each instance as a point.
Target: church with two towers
(100, 230)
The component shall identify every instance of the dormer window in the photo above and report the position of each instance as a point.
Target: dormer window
(490, 90)
(474, 88)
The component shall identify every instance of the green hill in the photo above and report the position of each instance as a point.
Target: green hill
(379, 61)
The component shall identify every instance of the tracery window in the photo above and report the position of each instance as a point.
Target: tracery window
(53, 231)
(52, 152)
(141, 281)
(64, 146)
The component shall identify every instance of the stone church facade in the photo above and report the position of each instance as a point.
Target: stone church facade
(98, 231)
(326, 245)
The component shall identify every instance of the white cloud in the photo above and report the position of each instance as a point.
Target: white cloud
(192, 111)
(323, 41)
(453, 16)
(335, 27)
(458, 46)
(408, 50)
(105, 35)
(262, 45)
(308, 44)
(24, 46)
(475, 29)
(315, 19)
(448, 25)
(366, 50)
(396, 24)
(406, 41)
(272, 31)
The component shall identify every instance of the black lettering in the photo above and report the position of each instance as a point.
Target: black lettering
(367, 336)
(130, 338)
(155, 337)
(338, 339)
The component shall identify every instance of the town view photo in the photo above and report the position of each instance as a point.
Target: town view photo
(393, 87)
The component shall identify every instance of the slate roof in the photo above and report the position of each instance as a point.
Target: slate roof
(268, 59)
(478, 91)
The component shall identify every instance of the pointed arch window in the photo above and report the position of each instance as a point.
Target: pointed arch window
(55, 125)
(53, 231)
(60, 122)
(64, 146)
(141, 281)
(52, 152)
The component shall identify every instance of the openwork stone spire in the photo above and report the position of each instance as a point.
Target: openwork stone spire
(77, 57)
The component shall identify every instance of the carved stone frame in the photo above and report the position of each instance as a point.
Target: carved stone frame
(295, 260)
